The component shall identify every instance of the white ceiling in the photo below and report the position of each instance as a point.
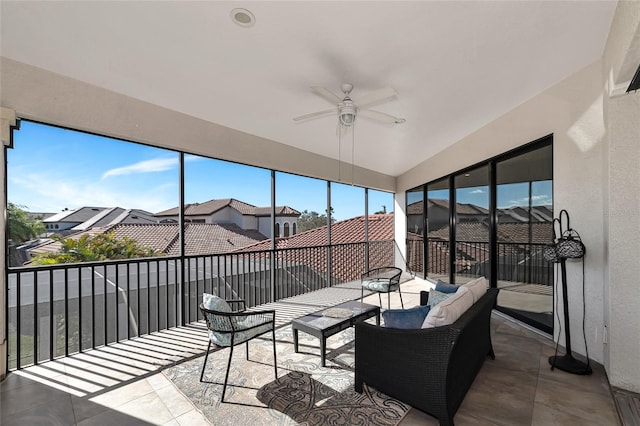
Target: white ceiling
(455, 65)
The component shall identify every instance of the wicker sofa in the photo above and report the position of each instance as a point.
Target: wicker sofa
(430, 369)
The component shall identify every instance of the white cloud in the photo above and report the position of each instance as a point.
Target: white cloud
(477, 191)
(147, 166)
(48, 192)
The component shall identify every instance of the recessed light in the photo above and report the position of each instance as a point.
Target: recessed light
(243, 17)
(467, 174)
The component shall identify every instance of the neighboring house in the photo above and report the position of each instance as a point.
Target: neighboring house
(200, 238)
(83, 218)
(346, 238)
(243, 215)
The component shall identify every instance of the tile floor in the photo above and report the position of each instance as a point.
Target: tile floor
(121, 384)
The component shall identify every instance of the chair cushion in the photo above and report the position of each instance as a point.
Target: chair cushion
(215, 303)
(448, 311)
(444, 287)
(405, 318)
(436, 297)
(381, 285)
(478, 287)
(224, 339)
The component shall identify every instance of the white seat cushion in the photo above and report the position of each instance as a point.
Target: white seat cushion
(448, 311)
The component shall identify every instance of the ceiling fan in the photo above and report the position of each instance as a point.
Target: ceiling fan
(347, 109)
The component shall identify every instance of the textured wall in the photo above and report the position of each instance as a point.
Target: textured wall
(624, 242)
(572, 111)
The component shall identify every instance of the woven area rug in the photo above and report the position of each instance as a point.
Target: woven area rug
(304, 393)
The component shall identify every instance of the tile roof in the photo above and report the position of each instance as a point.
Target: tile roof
(349, 258)
(200, 238)
(77, 215)
(212, 206)
(344, 231)
(280, 211)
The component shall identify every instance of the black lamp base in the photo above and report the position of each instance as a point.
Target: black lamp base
(569, 364)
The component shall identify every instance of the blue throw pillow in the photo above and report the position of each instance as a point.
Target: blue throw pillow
(405, 318)
(444, 287)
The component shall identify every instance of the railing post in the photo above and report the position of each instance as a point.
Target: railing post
(329, 265)
(272, 253)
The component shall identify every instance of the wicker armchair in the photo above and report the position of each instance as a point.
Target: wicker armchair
(227, 329)
(382, 280)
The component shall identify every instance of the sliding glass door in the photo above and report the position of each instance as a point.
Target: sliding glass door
(415, 231)
(491, 220)
(472, 225)
(524, 227)
(438, 230)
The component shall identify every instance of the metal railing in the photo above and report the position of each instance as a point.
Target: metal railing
(517, 262)
(57, 310)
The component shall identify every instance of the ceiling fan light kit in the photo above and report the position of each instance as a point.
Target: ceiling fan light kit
(348, 109)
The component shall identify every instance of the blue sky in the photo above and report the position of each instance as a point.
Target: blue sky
(50, 169)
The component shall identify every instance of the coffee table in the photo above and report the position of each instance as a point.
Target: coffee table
(319, 325)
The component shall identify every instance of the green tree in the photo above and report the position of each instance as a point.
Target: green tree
(310, 220)
(89, 248)
(383, 211)
(21, 226)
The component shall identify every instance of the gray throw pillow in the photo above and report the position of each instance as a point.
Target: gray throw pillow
(436, 297)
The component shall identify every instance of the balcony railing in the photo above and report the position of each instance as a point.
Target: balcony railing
(518, 262)
(57, 310)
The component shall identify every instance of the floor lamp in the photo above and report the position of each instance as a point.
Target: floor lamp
(567, 362)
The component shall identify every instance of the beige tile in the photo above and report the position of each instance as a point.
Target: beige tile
(123, 394)
(573, 400)
(84, 409)
(174, 400)
(158, 381)
(56, 412)
(192, 418)
(29, 396)
(149, 408)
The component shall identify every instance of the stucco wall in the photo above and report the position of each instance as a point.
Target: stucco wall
(623, 274)
(572, 112)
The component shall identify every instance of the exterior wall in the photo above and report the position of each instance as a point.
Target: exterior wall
(622, 200)
(573, 111)
(624, 243)
(264, 226)
(248, 222)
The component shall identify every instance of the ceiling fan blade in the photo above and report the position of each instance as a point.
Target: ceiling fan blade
(315, 115)
(380, 116)
(377, 97)
(326, 94)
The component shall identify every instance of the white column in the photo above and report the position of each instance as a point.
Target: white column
(7, 121)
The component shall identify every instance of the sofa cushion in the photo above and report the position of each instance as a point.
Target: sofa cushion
(444, 287)
(436, 297)
(448, 311)
(478, 287)
(405, 318)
